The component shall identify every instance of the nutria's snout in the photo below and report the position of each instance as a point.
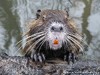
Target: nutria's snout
(56, 28)
(56, 32)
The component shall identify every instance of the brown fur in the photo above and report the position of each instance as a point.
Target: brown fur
(43, 18)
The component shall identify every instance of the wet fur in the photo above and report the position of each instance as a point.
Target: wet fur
(41, 53)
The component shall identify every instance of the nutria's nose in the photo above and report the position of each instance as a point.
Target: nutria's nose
(57, 29)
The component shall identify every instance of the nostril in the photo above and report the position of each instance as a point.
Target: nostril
(53, 28)
(61, 28)
(56, 29)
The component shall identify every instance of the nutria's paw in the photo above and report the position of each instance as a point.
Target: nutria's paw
(38, 57)
(70, 57)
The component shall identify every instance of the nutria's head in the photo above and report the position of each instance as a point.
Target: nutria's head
(54, 27)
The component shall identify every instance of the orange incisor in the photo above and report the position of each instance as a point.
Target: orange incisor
(55, 41)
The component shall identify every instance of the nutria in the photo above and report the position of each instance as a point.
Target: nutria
(52, 35)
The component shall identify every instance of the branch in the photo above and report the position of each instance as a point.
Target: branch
(17, 65)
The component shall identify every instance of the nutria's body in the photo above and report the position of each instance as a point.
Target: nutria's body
(52, 25)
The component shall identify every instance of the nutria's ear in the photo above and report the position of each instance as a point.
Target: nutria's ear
(67, 13)
(38, 14)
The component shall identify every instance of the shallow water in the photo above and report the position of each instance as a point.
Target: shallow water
(15, 13)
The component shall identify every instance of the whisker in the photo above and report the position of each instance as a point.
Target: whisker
(41, 44)
(33, 38)
(18, 50)
(69, 42)
(76, 42)
(30, 40)
(30, 37)
(35, 35)
(39, 40)
(76, 36)
(34, 44)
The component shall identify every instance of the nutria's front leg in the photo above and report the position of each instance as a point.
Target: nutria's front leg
(38, 57)
(72, 57)
(69, 56)
(66, 57)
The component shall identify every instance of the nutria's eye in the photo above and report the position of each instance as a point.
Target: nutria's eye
(38, 14)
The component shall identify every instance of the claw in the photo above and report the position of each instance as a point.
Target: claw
(35, 57)
(67, 57)
(43, 56)
(38, 57)
(70, 57)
